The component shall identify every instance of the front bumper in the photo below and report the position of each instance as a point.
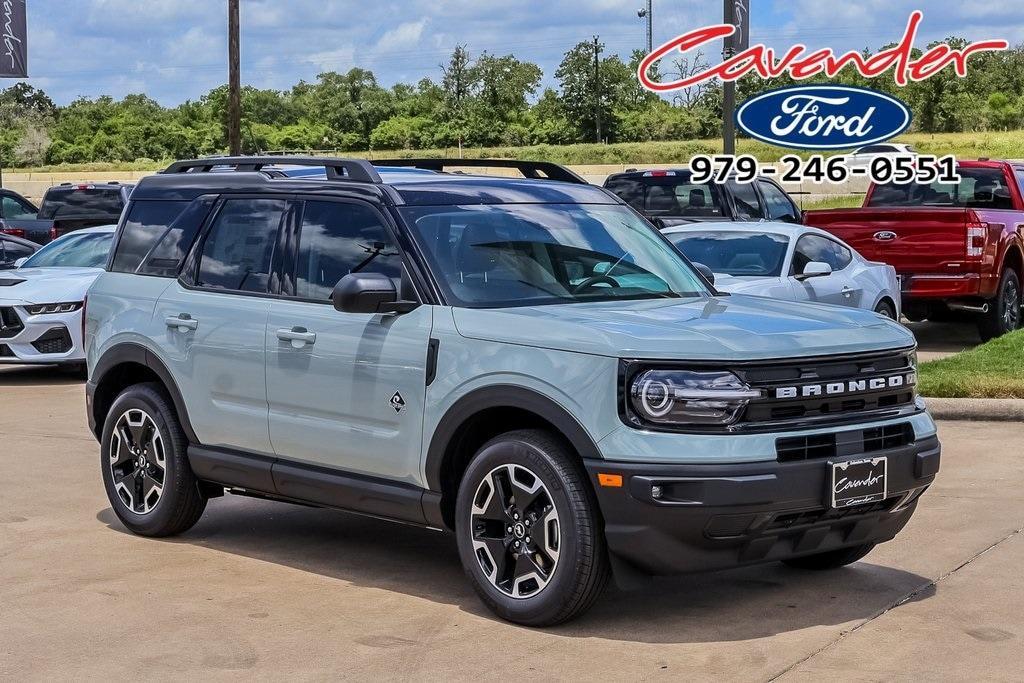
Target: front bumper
(720, 516)
(51, 338)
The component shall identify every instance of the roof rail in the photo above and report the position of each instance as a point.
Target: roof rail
(535, 170)
(359, 170)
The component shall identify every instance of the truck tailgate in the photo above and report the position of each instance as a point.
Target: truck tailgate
(913, 240)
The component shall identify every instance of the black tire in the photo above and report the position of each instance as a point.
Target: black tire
(886, 309)
(179, 503)
(1004, 311)
(580, 569)
(833, 559)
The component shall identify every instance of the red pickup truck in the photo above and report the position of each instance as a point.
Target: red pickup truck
(958, 249)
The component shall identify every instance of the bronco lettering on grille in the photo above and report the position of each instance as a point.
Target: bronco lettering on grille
(853, 386)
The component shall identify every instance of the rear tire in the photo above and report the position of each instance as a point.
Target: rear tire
(833, 559)
(144, 460)
(524, 490)
(885, 308)
(1004, 311)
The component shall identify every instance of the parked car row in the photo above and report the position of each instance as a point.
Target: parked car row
(65, 208)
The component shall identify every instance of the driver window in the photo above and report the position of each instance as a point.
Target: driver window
(778, 205)
(813, 248)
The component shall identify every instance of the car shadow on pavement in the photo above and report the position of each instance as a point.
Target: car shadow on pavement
(936, 339)
(741, 604)
(38, 375)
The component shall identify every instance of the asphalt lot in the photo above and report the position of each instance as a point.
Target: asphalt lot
(269, 590)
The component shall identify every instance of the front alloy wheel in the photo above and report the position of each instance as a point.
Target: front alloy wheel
(515, 531)
(137, 461)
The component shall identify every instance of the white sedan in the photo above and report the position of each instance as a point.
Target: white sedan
(785, 261)
(865, 155)
(41, 300)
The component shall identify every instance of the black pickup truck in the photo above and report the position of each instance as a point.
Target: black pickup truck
(65, 208)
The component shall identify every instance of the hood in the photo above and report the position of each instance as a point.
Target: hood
(717, 328)
(47, 285)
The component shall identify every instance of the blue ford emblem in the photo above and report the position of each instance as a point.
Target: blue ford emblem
(822, 117)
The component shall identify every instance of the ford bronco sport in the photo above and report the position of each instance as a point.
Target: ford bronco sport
(526, 362)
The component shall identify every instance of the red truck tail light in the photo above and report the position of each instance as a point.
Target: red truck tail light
(977, 236)
(16, 232)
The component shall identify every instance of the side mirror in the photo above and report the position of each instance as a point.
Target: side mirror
(815, 269)
(705, 271)
(369, 293)
(20, 262)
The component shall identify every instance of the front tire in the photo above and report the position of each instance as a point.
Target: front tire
(1004, 311)
(146, 473)
(529, 534)
(886, 309)
(833, 559)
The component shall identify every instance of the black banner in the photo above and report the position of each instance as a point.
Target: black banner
(14, 49)
(737, 13)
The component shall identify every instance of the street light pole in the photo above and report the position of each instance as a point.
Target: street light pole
(597, 88)
(234, 82)
(648, 13)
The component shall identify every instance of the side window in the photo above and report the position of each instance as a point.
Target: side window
(777, 203)
(336, 239)
(822, 250)
(15, 210)
(238, 253)
(146, 222)
(16, 251)
(628, 190)
(1020, 180)
(747, 205)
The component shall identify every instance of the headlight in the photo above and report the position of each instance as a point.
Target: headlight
(45, 309)
(687, 397)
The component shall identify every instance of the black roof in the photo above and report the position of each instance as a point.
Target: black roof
(389, 181)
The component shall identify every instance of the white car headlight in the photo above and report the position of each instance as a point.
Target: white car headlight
(47, 309)
(689, 397)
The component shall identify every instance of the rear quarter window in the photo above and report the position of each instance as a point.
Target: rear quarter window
(147, 222)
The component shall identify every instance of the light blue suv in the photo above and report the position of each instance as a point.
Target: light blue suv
(524, 362)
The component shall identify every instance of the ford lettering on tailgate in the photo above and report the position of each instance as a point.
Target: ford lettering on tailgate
(823, 117)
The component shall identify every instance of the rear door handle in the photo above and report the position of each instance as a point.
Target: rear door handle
(183, 322)
(297, 335)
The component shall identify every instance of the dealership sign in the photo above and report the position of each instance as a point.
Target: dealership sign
(14, 51)
(822, 117)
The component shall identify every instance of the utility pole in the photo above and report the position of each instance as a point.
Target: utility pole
(234, 82)
(648, 13)
(597, 88)
(737, 13)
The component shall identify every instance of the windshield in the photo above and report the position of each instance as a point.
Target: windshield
(668, 195)
(979, 188)
(530, 254)
(84, 250)
(735, 253)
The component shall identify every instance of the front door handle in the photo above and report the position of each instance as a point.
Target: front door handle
(183, 322)
(847, 291)
(298, 336)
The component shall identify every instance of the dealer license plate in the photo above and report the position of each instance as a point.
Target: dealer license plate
(859, 482)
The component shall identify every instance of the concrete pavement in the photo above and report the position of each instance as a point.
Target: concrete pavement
(267, 590)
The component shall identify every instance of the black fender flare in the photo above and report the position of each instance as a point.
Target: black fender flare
(130, 352)
(502, 396)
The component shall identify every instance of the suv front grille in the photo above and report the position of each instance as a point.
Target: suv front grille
(10, 323)
(815, 446)
(776, 411)
(56, 340)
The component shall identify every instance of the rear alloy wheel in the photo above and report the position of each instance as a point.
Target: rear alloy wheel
(886, 309)
(144, 460)
(1004, 311)
(528, 529)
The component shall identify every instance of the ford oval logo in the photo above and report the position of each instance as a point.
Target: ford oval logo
(823, 117)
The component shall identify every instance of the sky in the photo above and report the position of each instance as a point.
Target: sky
(174, 50)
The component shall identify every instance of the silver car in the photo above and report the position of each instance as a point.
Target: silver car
(792, 262)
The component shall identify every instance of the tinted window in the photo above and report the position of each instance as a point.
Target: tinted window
(747, 206)
(77, 250)
(1020, 180)
(629, 190)
(16, 251)
(146, 222)
(735, 253)
(337, 239)
(777, 203)
(822, 250)
(88, 203)
(15, 209)
(981, 188)
(239, 249)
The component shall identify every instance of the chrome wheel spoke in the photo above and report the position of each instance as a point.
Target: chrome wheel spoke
(137, 461)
